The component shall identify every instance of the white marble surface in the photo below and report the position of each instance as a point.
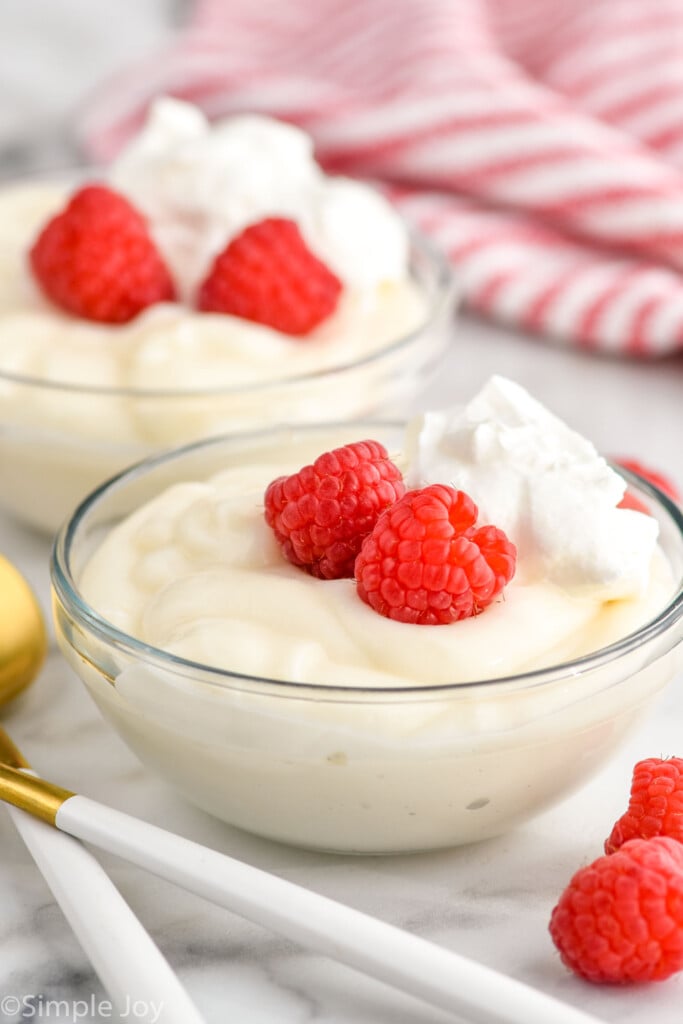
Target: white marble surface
(490, 902)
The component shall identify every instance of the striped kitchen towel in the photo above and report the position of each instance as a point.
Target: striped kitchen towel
(540, 141)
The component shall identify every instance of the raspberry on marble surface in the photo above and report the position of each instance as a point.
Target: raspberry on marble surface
(655, 806)
(620, 919)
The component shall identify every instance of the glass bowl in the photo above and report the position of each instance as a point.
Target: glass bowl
(354, 768)
(59, 441)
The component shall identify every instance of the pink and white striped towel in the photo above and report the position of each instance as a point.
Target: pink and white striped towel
(540, 141)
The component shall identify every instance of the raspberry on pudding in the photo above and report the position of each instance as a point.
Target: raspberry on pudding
(97, 260)
(269, 275)
(322, 514)
(507, 553)
(212, 280)
(440, 566)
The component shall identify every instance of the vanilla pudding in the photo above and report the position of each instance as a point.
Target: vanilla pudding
(79, 400)
(286, 705)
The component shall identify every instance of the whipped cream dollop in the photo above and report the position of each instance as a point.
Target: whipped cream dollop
(541, 482)
(200, 184)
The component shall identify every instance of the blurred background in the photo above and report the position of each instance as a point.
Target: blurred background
(551, 130)
(54, 53)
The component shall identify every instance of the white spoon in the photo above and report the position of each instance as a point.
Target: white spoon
(129, 965)
(413, 965)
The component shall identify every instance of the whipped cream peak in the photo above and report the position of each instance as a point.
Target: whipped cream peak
(541, 482)
(200, 184)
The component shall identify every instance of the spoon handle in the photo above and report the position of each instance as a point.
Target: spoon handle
(405, 961)
(132, 969)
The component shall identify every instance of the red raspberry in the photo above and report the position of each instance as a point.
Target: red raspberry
(321, 514)
(621, 918)
(634, 503)
(96, 259)
(268, 274)
(425, 562)
(631, 500)
(656, 804)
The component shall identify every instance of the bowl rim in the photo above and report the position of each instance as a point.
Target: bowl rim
(65, 590)
(443, 298)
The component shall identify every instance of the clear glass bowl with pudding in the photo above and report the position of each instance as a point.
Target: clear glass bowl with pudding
(59, 439)
(375, 752)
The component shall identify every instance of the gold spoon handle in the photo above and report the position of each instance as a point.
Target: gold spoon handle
(129, 964)
(9, 754)
(27, 792)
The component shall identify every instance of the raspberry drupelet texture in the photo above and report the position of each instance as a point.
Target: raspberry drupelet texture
(621, 918)
(267, 274)
(321, 514)
(427, 563)
(655, 806)
(96, 259)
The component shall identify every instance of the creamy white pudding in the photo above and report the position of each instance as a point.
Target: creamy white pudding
(287, 706)
(198, 573)
(79, 400)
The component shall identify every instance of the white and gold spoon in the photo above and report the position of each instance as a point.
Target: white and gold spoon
(128, 963)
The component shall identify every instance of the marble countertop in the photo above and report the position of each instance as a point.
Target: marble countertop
(490, 901)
